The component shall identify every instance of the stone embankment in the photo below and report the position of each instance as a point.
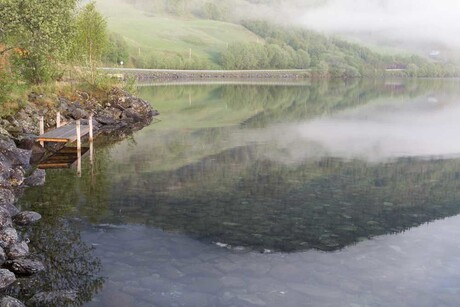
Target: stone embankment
(144, 75)
(119, 113)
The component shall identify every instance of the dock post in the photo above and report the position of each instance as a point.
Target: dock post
(91, 127)
(91, 148)
(78, 163)
(42, 128)
(58, 119)
(78, 136)
(78, 148)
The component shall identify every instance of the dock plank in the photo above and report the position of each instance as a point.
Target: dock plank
(63, 134)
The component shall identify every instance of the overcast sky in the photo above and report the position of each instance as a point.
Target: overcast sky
(424, 20)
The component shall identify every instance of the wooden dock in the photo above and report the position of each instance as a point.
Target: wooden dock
(64, 134)
(67, 156)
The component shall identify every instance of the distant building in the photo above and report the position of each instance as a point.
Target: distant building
(435, 53)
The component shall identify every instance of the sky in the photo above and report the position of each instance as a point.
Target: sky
(406, 20)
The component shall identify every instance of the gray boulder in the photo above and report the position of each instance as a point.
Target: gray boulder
(8, 236)
(17, 250)
(36, 179)
(8, 301)
(24, 266)
(5, 218)
(6, 196)
(26, 218)
(12, 209)
(6, 278)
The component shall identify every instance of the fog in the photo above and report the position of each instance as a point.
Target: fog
(434, 22)
(426, 127)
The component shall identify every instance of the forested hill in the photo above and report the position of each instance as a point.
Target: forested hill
(207, 34)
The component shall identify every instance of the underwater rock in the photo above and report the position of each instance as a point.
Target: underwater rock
(24, 266)
(26, 218)
(54, 298)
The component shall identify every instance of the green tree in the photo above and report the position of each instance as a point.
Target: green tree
(42, 30)
(117, 49)
(91, 37)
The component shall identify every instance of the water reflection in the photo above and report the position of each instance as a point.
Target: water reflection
(324, 166)
(154, 268)
(69, 262)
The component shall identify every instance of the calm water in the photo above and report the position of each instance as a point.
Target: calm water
(322, 194)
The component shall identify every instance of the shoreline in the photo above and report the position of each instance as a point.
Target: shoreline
(120, 114)
(143, 75)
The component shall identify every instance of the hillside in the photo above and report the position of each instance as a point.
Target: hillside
(198, 34)
(171, 36)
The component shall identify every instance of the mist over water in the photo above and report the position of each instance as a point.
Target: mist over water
(422, 127)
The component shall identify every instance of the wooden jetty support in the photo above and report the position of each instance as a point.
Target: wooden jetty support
(64, 158)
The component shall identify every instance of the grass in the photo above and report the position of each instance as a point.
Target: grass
(170, 34)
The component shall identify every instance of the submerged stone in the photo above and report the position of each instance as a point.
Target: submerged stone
(26, 218)
(24, 266)
(36, 179)
(54, 298)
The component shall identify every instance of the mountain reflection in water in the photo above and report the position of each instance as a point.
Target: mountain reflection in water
(263, 168)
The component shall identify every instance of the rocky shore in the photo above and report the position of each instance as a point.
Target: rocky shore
(118, 112)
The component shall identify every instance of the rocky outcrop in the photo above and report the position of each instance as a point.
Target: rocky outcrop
(118, 113)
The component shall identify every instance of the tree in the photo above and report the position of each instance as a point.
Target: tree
(117, 49)
(42, 30)
(91, 36)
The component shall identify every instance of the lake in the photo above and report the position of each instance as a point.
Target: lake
(341, 193)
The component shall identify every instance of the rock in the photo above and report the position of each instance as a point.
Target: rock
(36, 179)
(105, 120)
(26, 218)
(12, 155)
(24, 266)
(2, 256)
(8, 236)
(4, 132)
(8, 301)
(6, 278)
(16, 177)
(5, 218)
(54, 298)
(130, 113)
(6, 197)
(12, 209)
(26, 142)
(17, 250)
(78, 113)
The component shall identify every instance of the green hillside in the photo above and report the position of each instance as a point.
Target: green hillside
(205, 34)
(167, 35)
